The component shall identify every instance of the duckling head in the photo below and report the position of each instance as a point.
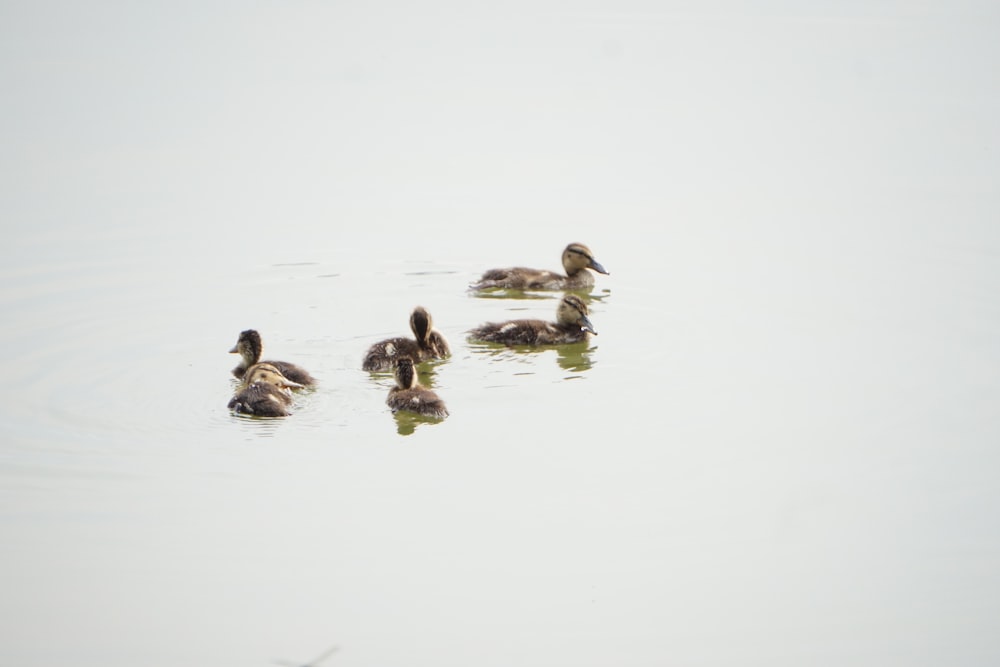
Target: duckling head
(269, 374)
(248, 346)
(577, 257)
(421, 324)
(572, 311)
(406, 376)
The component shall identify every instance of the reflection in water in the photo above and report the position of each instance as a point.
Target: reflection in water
(407, 422)
(500, 293)
(575, 357)
(265, 427)
(517, 294)
(426, 374)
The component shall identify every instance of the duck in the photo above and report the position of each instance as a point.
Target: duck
(576, 259)
(429, 344)
(249, 347)
(572, 325)
(264, 392)
(409, 395)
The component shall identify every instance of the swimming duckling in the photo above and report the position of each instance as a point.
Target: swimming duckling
(572, 325)
(265, 392)
(429, 344)
(410, 395)
(249, 346)
(576, 259)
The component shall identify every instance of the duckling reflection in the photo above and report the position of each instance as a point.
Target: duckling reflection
(249, 347)
(429, 344)
(576, 260)
(572, 325)
(411, 396)
(265, 392)
(575, 360)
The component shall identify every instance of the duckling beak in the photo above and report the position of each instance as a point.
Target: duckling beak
(596, 266)
(234, 350)
(288, 384)
(587, 325)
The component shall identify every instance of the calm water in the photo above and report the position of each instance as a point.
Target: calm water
(780, 450)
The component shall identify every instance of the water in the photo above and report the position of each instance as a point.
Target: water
(780, 450)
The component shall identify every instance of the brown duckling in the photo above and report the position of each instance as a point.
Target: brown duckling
(265, 392)
(576, 259)
(429, 344)
(411, 396)
(572, 325)
(249, 346)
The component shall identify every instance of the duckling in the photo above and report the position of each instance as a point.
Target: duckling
(576, 258)
(249, 346)
(410, 395)
(265, 392)
(429, 344)
(572, 325)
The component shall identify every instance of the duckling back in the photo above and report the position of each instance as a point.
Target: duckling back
(265, 392)
(261, 399)
(382, 355)
(411, 396)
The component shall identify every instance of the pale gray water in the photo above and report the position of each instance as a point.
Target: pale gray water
(780, 450)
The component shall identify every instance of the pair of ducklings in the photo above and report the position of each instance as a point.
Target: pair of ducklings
(399, 354)
(572, 323)
(267, 385)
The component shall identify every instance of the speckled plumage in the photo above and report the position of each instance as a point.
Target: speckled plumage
(410, 396)
(264, 393)
(572, 325)
(576, 259)
(429, 344)
(249, 347)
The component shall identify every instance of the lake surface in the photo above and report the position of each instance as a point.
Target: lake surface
(781, 448)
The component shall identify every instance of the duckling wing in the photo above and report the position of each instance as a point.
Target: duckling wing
(515, 332)
(293, 372)
(419, 400)
(382, 355)
(263, 400)
(517, 277)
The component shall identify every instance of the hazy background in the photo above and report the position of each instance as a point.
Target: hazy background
(780, 450)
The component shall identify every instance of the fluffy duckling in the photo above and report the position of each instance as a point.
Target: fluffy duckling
(249, 346)
(572, 325)
(410, 395)
(429, 344)
(265, 392)
(576, 259)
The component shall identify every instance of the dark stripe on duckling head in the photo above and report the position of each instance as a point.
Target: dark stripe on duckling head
(420, 323)
(406, 377)
(584, 251)
(577, 304)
